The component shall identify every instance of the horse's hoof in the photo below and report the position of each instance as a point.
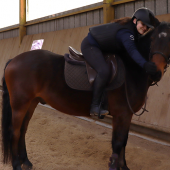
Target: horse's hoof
(112, 168)
(27, 165)
(113, 162)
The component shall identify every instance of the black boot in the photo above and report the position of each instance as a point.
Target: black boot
(104, 104)
(98, 91)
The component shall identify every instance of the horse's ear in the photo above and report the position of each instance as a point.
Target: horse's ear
(155, 22)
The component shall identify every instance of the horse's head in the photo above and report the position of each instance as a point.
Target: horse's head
(160, 49)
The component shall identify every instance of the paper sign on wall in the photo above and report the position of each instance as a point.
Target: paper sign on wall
(37, 44)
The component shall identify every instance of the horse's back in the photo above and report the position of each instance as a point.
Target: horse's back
(35, 57)
(33, 70)
(34, 61)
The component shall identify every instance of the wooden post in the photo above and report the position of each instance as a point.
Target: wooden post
(22, 20)
(108, 11)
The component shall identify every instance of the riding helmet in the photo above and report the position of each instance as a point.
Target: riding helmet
(145, 15)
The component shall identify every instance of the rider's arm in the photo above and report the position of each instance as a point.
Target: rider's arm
(126, 38)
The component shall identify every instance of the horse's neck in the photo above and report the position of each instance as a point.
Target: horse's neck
(143, 45)
(137, 78)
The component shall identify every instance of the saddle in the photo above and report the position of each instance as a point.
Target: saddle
(80, 75)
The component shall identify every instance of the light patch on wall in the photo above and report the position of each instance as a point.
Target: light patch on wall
(37, 44)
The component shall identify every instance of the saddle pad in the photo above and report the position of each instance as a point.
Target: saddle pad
(76, 76)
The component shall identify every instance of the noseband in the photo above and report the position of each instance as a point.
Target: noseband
(167, 59)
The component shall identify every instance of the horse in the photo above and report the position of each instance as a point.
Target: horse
(38, 76)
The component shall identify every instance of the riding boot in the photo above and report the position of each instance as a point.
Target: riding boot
(98, 91)
(104, 104)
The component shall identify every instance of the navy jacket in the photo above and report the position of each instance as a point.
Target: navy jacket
(126, 40)
(123, 39)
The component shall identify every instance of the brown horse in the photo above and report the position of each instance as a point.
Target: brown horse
(38, 76)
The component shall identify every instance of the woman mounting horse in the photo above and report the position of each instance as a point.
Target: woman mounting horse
(115, 37)
(38, 76)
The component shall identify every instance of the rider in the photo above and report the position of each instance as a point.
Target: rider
(115, 37)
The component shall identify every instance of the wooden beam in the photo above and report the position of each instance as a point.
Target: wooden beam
(22, 20)
(121, 2)
(9, 29)
(108, 11)
(65, 15)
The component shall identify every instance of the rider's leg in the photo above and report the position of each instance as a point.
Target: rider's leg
(95, 58)
(98, 90)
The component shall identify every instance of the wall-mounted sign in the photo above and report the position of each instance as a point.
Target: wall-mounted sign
(37, 44)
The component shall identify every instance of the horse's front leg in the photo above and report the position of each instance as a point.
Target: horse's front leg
(122, 160)
(121, 124)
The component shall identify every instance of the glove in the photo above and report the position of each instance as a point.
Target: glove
(150, 67)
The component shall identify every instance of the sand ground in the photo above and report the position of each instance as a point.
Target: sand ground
(56, 141)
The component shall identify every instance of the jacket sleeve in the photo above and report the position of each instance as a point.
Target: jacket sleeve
(126, 39)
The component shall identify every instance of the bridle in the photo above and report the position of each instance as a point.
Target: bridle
(167, 59)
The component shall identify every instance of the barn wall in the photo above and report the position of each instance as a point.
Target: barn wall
(56, 41)
(159, 7)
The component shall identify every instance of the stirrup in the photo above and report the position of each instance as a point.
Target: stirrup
(98, 112)
(94, 110)
(104, 112)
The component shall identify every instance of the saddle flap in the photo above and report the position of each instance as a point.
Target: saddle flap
(91, 73)
(112, 64)
(111, 60)
(76, 58)
(77, 78)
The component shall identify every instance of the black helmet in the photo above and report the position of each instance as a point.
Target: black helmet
(145, 15)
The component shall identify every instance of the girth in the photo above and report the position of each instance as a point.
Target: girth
(76, 58)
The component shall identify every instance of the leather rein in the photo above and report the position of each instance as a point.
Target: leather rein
(167, 59)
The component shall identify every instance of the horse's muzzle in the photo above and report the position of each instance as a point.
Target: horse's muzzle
(157, 76)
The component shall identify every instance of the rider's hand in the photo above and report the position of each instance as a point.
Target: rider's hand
(150, 67)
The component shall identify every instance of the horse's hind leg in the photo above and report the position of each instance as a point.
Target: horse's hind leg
(18, 114)
(22, 146)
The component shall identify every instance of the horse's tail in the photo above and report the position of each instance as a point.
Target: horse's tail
(6, 121)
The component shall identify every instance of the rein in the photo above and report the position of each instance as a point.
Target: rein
(144, 109)
(154, 83)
